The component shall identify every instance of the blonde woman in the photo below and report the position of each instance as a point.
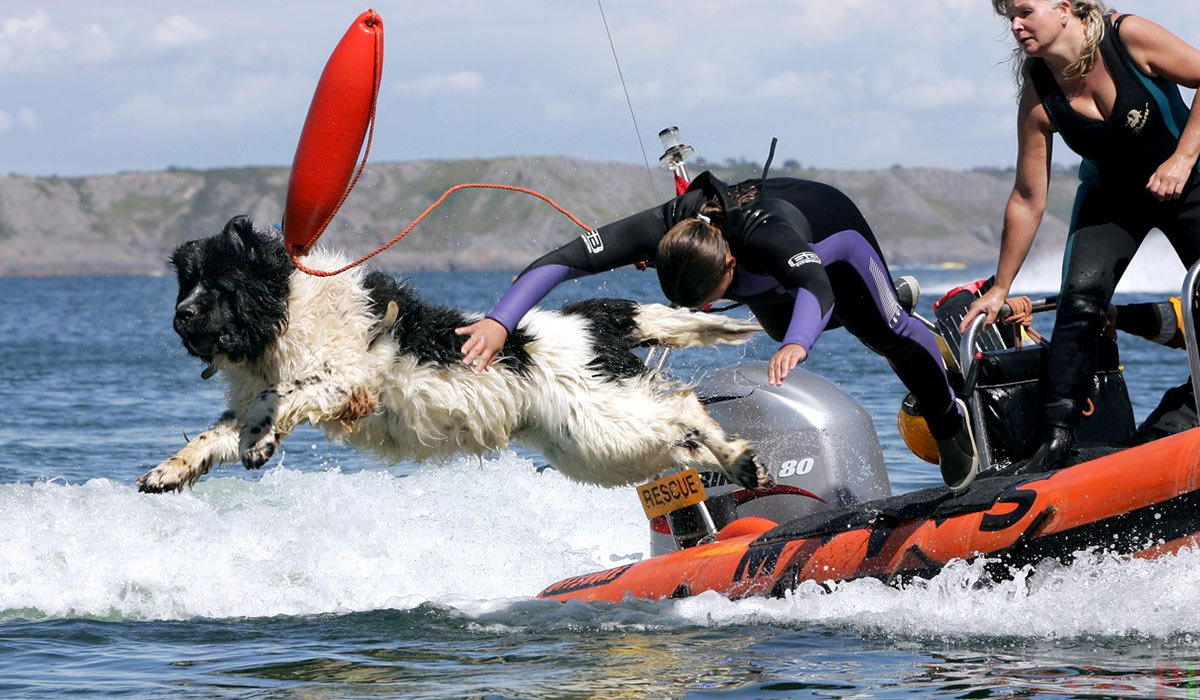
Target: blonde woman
(1109, 85)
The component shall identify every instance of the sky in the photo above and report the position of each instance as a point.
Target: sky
(91, 87)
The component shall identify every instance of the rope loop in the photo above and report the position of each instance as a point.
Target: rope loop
(464, 186)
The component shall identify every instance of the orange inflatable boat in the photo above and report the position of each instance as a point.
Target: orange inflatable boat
(1144, 500)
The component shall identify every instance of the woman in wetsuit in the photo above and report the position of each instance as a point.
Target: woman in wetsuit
(1108, 84)
(798, 253)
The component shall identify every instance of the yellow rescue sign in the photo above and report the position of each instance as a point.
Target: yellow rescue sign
(671, 493)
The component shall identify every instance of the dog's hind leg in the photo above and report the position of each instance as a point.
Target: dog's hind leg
(214, 446)
(277, 411)
(685, 328)
(735, 456)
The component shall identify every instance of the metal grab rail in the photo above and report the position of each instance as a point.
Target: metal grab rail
(970, 372)
(1188, 295)
(966, 346)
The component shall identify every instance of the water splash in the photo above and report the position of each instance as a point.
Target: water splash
(1155, 268)
(480, 538)
(1099, 594)
(299, 542)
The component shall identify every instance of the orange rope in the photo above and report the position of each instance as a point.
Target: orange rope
(1022, 315)
(467, 185)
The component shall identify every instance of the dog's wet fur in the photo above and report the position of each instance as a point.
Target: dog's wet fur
(296, 348)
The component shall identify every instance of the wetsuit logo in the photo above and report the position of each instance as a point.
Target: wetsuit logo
(1137, 119)
(806, 258)
(594, 243)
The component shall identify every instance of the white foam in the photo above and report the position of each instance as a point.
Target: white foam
(299, 542)
(483, 538)
(1097, 595)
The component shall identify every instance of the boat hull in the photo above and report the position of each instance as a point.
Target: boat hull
(1142, 501)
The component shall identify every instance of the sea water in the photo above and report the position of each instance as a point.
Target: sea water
(331, 574)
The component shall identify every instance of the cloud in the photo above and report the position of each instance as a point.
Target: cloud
(169, 112)
(97, 46)
(37, 42)
(823, 23)
(26, 42)
(792, 85)
(177, 31)
(639, 92)
(934, 94)
(27, 118)
(558, 110)
(448, 83)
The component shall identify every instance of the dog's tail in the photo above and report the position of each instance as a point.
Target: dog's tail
(685, 328)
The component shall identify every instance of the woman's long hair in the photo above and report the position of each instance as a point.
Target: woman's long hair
(1091, 13)
(691, 257)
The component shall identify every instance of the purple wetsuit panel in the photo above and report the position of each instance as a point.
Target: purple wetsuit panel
(807, 320)
(852, 248)
(528, 290)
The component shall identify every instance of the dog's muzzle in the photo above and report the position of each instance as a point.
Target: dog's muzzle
(195, 339)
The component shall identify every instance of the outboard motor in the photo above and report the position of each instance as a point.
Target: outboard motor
(815, 438)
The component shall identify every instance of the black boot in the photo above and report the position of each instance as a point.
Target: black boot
(908, 291)
(957, 457)
(1055, 451)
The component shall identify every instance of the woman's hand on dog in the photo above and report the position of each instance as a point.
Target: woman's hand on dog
(784, 361)
(486, 339)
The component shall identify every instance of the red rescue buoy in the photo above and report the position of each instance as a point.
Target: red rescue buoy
(339, 117)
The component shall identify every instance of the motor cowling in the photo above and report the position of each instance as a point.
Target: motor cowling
(817, 440)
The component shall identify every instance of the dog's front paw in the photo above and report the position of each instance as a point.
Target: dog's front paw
(171, 475)
(257, 444)
(257, 449)
(749, 472)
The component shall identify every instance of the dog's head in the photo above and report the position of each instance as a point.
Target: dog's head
(233, 290)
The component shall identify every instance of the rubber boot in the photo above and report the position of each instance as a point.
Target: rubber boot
(1055, 451)
(908, 291)
(957, 456)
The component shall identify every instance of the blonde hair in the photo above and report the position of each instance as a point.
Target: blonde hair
(1092, 13)
(691, 257)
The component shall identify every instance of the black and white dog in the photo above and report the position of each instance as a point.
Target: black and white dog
(334, 352)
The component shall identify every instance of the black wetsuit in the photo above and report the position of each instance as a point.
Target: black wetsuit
(1113, 211)
(806, 261)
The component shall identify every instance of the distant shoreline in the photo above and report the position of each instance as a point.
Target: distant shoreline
(127, 224)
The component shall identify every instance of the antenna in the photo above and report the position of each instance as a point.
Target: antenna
(637, 130)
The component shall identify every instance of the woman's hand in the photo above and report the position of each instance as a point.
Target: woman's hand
(1168, 180)
(487, 338)
(989, 304)
(784, 361)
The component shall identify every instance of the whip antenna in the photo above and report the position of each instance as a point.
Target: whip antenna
(628, 101)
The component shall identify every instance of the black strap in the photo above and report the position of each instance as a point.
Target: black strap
(770, 157)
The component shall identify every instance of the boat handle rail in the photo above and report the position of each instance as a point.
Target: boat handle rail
(966, 346)
(1188, 308)
(970, 372)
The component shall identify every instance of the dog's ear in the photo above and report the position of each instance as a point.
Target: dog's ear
(183, 252)
(239, 232)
